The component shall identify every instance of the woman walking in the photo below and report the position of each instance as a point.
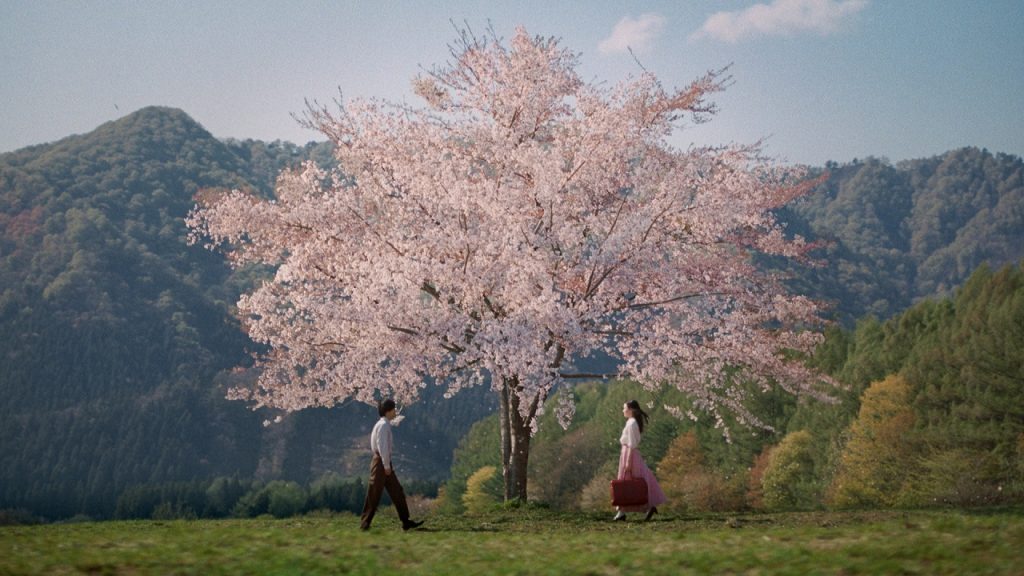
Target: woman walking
(631, 464)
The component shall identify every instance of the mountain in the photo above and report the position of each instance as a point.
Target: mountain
(900, 233)
(112, 328)
(118, 339)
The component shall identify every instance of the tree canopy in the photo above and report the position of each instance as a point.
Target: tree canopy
(519, 221)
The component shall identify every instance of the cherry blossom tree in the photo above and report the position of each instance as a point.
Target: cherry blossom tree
(517, 221)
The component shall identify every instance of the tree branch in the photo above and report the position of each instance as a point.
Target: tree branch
(592, 375)
(430, 289)
(409, 331)
(669, 301)
(600, 247)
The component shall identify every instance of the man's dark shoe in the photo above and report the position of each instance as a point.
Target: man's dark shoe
(412, 524)
(364, 527)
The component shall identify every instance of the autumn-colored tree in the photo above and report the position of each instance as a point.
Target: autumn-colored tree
(755, 490)
(481, 490)
(519, 221)
(596, 494)
(681, 471)
(875, 462)
(788, 480)
(691, 485)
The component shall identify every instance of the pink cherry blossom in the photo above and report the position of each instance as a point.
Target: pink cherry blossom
(518, 220)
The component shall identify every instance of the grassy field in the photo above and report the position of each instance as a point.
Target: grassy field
(533, 541)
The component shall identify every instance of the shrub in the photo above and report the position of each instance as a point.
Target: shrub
(331, 492)
(170, 511)
(755, 491)
(596, 494)
(18, 516)
(1020, 454)
(480, 447)
(788, 481)
(221, 497)
(691, 486)
(483, 490)
(956, 477)
(285, 499)
(254, 503)
(420, 506)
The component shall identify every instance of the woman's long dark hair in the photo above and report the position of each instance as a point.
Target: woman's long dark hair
(638, 413)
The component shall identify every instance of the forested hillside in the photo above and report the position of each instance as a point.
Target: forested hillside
(112, 329)
(117, 339)
(902, 232)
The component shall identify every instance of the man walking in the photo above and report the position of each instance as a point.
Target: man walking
(382, 475)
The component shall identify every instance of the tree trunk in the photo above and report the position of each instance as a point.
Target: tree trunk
(506, 440)
(515, 440)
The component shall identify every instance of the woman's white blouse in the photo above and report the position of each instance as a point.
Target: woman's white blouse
(630, 434)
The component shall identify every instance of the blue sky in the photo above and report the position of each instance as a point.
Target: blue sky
(819, 79)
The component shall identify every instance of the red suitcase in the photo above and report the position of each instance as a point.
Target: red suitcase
(629, 492)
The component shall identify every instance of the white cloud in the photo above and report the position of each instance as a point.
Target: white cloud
(637, 34)
(780, 18)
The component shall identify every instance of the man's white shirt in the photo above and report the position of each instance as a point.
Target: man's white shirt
(380, 441)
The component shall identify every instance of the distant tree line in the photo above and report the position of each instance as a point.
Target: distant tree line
(225, 497)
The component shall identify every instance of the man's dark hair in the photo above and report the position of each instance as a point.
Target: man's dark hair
(385, 406)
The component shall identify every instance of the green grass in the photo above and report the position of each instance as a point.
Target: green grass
(533, 541)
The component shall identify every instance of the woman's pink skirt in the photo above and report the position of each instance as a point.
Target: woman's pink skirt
(655, 497)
